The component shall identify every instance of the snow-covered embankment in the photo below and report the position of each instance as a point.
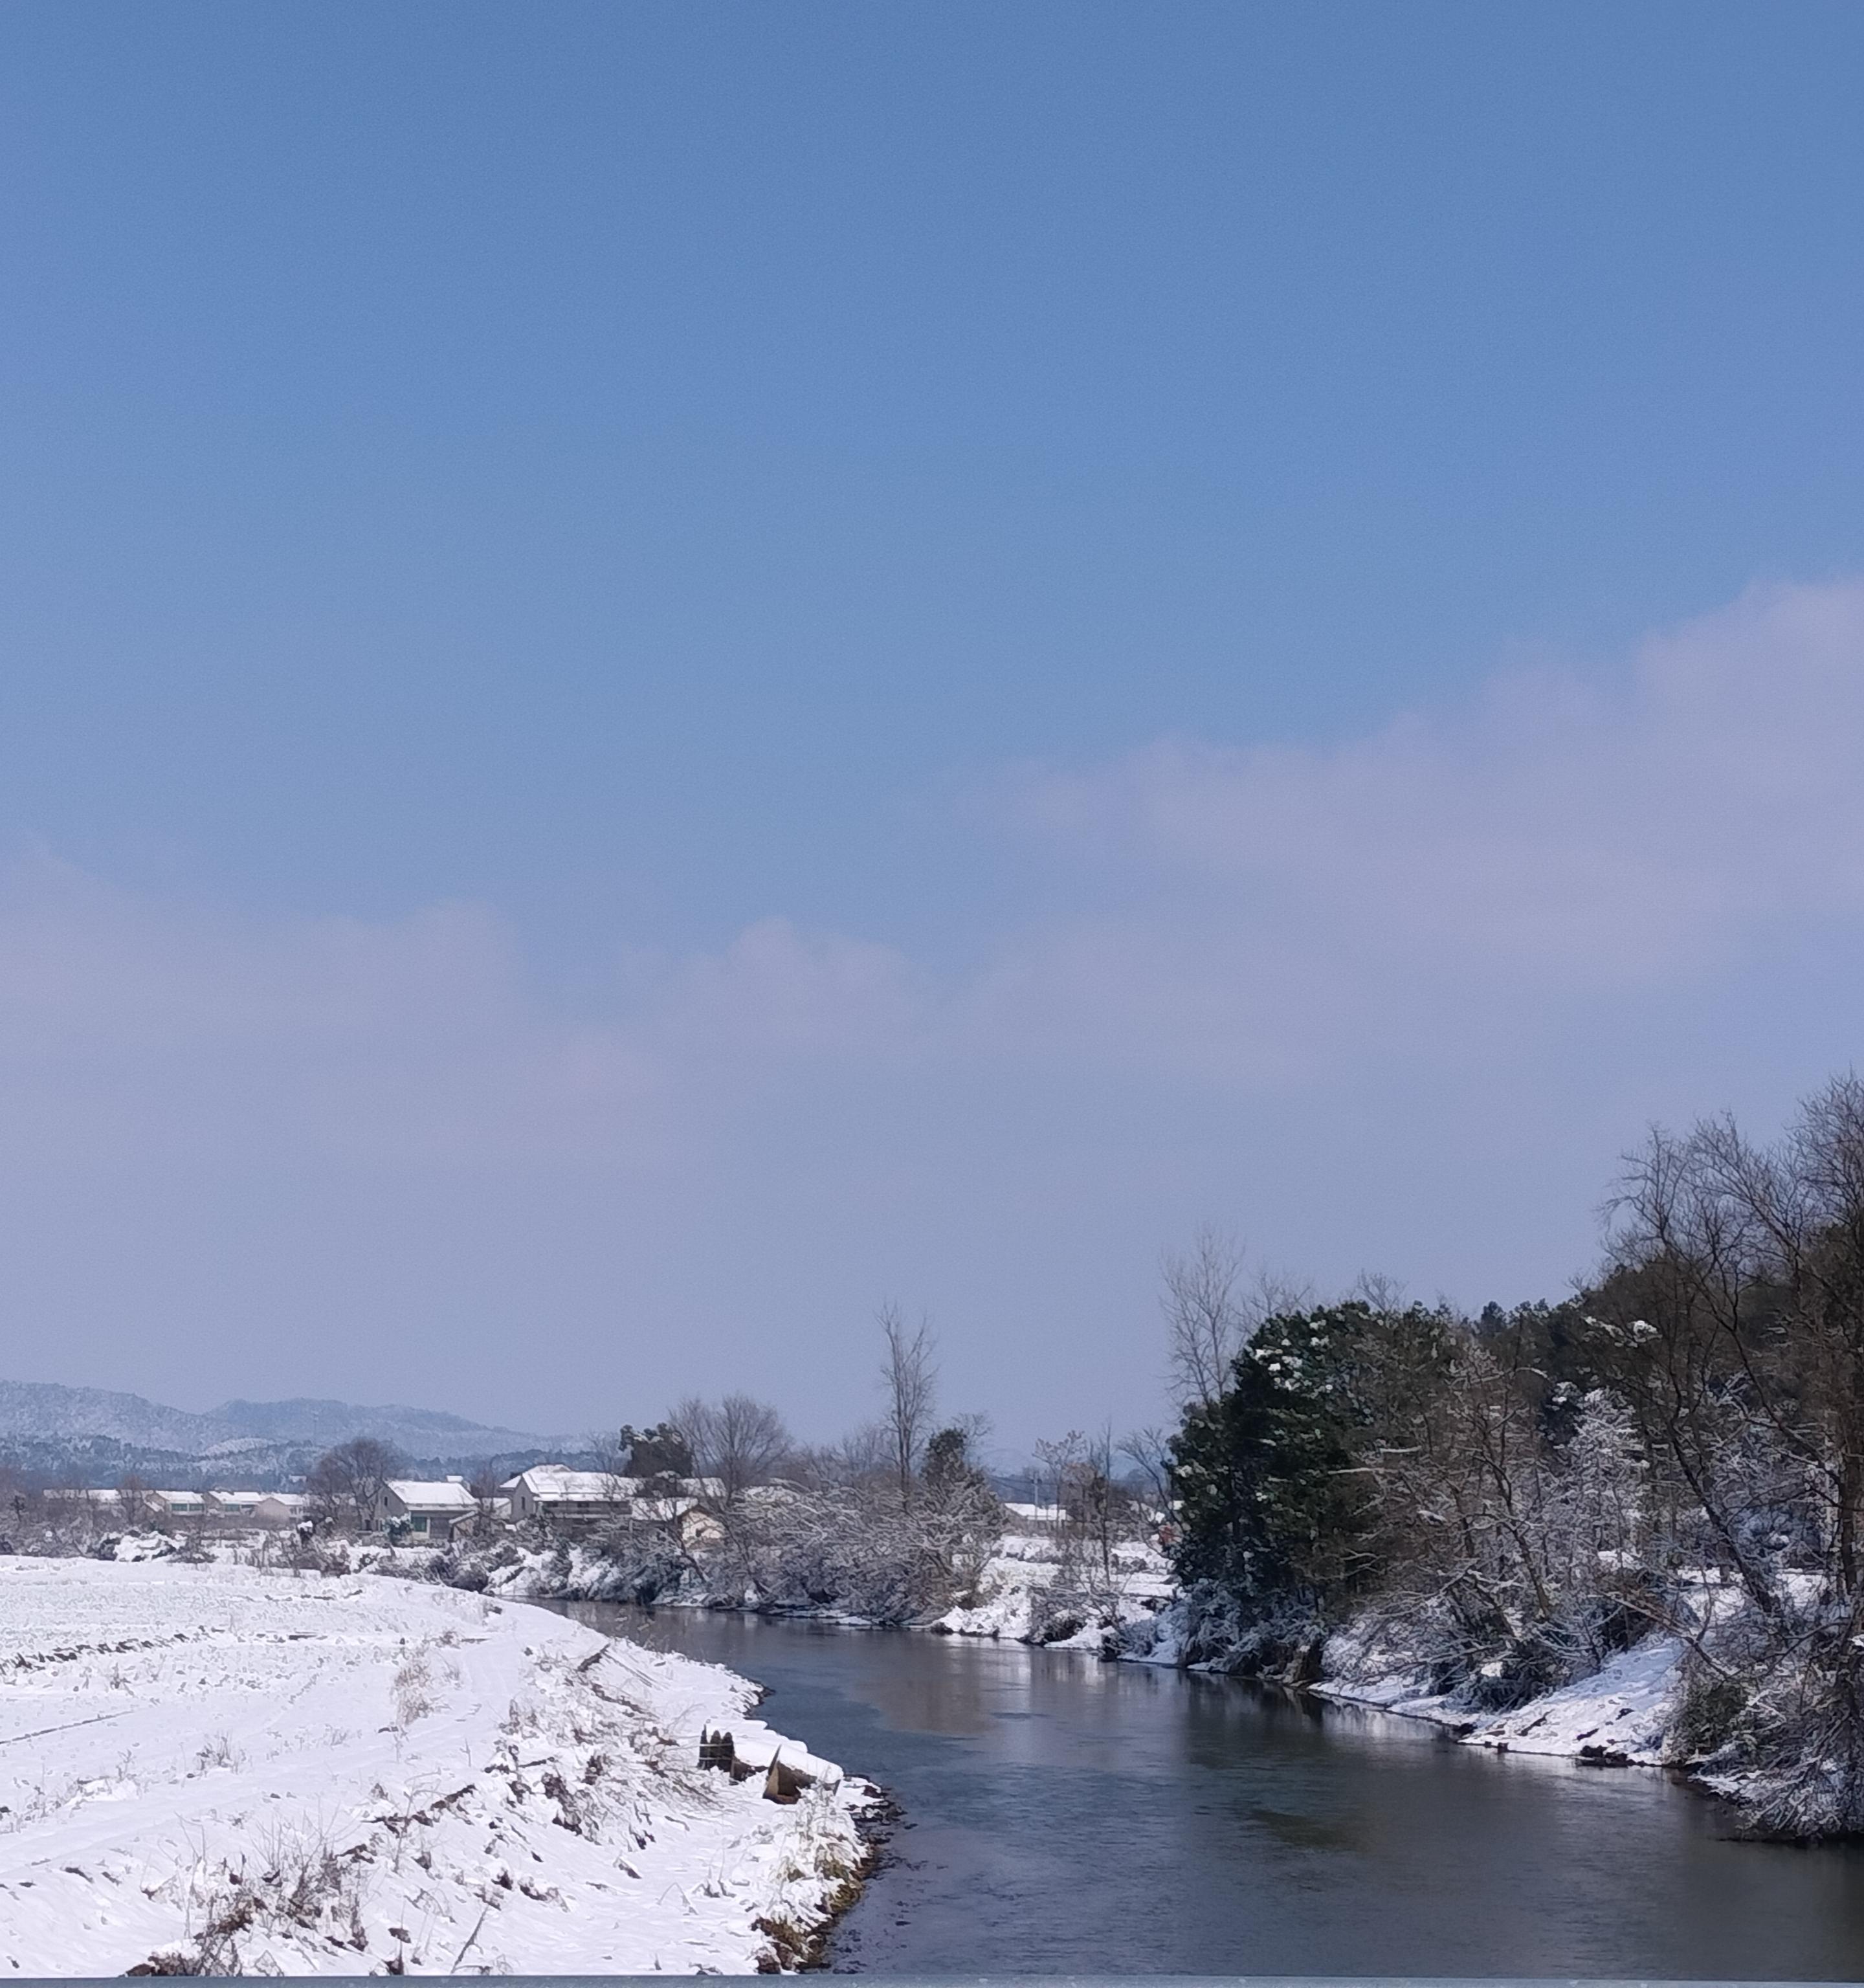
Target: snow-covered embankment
(1619, 1717)
(211, 1768)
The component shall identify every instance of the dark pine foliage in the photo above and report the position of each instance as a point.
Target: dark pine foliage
(1270, 1501)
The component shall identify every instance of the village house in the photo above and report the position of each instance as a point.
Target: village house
(435, 1511)
(117, 1505)
(571, 1501)
(683, 1520)
(569, 1498)
(250, 1508)
(259, 1508)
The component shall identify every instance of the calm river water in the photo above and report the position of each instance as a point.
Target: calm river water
(1065, 1815)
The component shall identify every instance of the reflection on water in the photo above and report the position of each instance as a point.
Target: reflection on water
(1308, 1832)
(1063, 1815)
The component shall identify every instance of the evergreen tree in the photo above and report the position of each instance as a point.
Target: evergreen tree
(1275, 1496)
(662, 1451)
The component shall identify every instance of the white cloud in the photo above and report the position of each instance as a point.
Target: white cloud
(1353, 999)
(1556, 840)
(132, 1030)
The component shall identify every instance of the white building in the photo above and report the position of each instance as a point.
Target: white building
(573, 1501)
(561, 1497)
(432, 1511)
(259, 1508)
(685, 1520)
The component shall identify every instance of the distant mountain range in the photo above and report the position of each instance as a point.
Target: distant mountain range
(98, 1434)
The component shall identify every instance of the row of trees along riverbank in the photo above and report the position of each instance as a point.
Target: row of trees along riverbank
(1512, 1499)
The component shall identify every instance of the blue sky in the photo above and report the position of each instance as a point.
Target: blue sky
(667, 669)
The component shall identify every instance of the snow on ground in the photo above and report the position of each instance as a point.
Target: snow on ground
(1028, 1588)
(1012, 1591)
(1619, 1717)
(272, 1772)
(1037, 1581)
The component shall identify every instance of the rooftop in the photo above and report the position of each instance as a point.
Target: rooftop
(448, 1495)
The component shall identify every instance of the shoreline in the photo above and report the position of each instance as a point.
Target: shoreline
(1619, 1715)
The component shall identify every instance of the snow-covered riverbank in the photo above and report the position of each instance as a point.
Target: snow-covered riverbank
(1028, 1592)
(1031, 1589)
(309, 1774)
(1626, 1713)
(1620, 1716)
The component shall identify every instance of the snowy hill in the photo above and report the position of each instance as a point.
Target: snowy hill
(99, 1434)
(34, 1409)
(419, 1432)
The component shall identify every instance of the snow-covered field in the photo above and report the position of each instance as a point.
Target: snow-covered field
(272, 1772)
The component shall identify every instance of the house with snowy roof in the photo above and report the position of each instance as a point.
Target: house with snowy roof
(436, 1510)
(568, 1501)
(259, 1508)
(561, 1496)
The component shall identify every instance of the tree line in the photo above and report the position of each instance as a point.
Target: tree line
(895, 1519)
(1513, 1497)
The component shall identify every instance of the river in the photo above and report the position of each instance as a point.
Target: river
(1063, 1815)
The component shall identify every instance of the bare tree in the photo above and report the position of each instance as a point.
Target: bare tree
(13, 1497)
(1751, 1262)
(611, 1452)
(909, 1380)
(346, 1483)
(735, 1443)
(1204, 1316)
(864, 1456)
(1673, 1344)
(1101, 1509)
(1372, 1288)
(1056, 1457)
(1149, 1450)
(1211, 1313)
(134, 1506)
